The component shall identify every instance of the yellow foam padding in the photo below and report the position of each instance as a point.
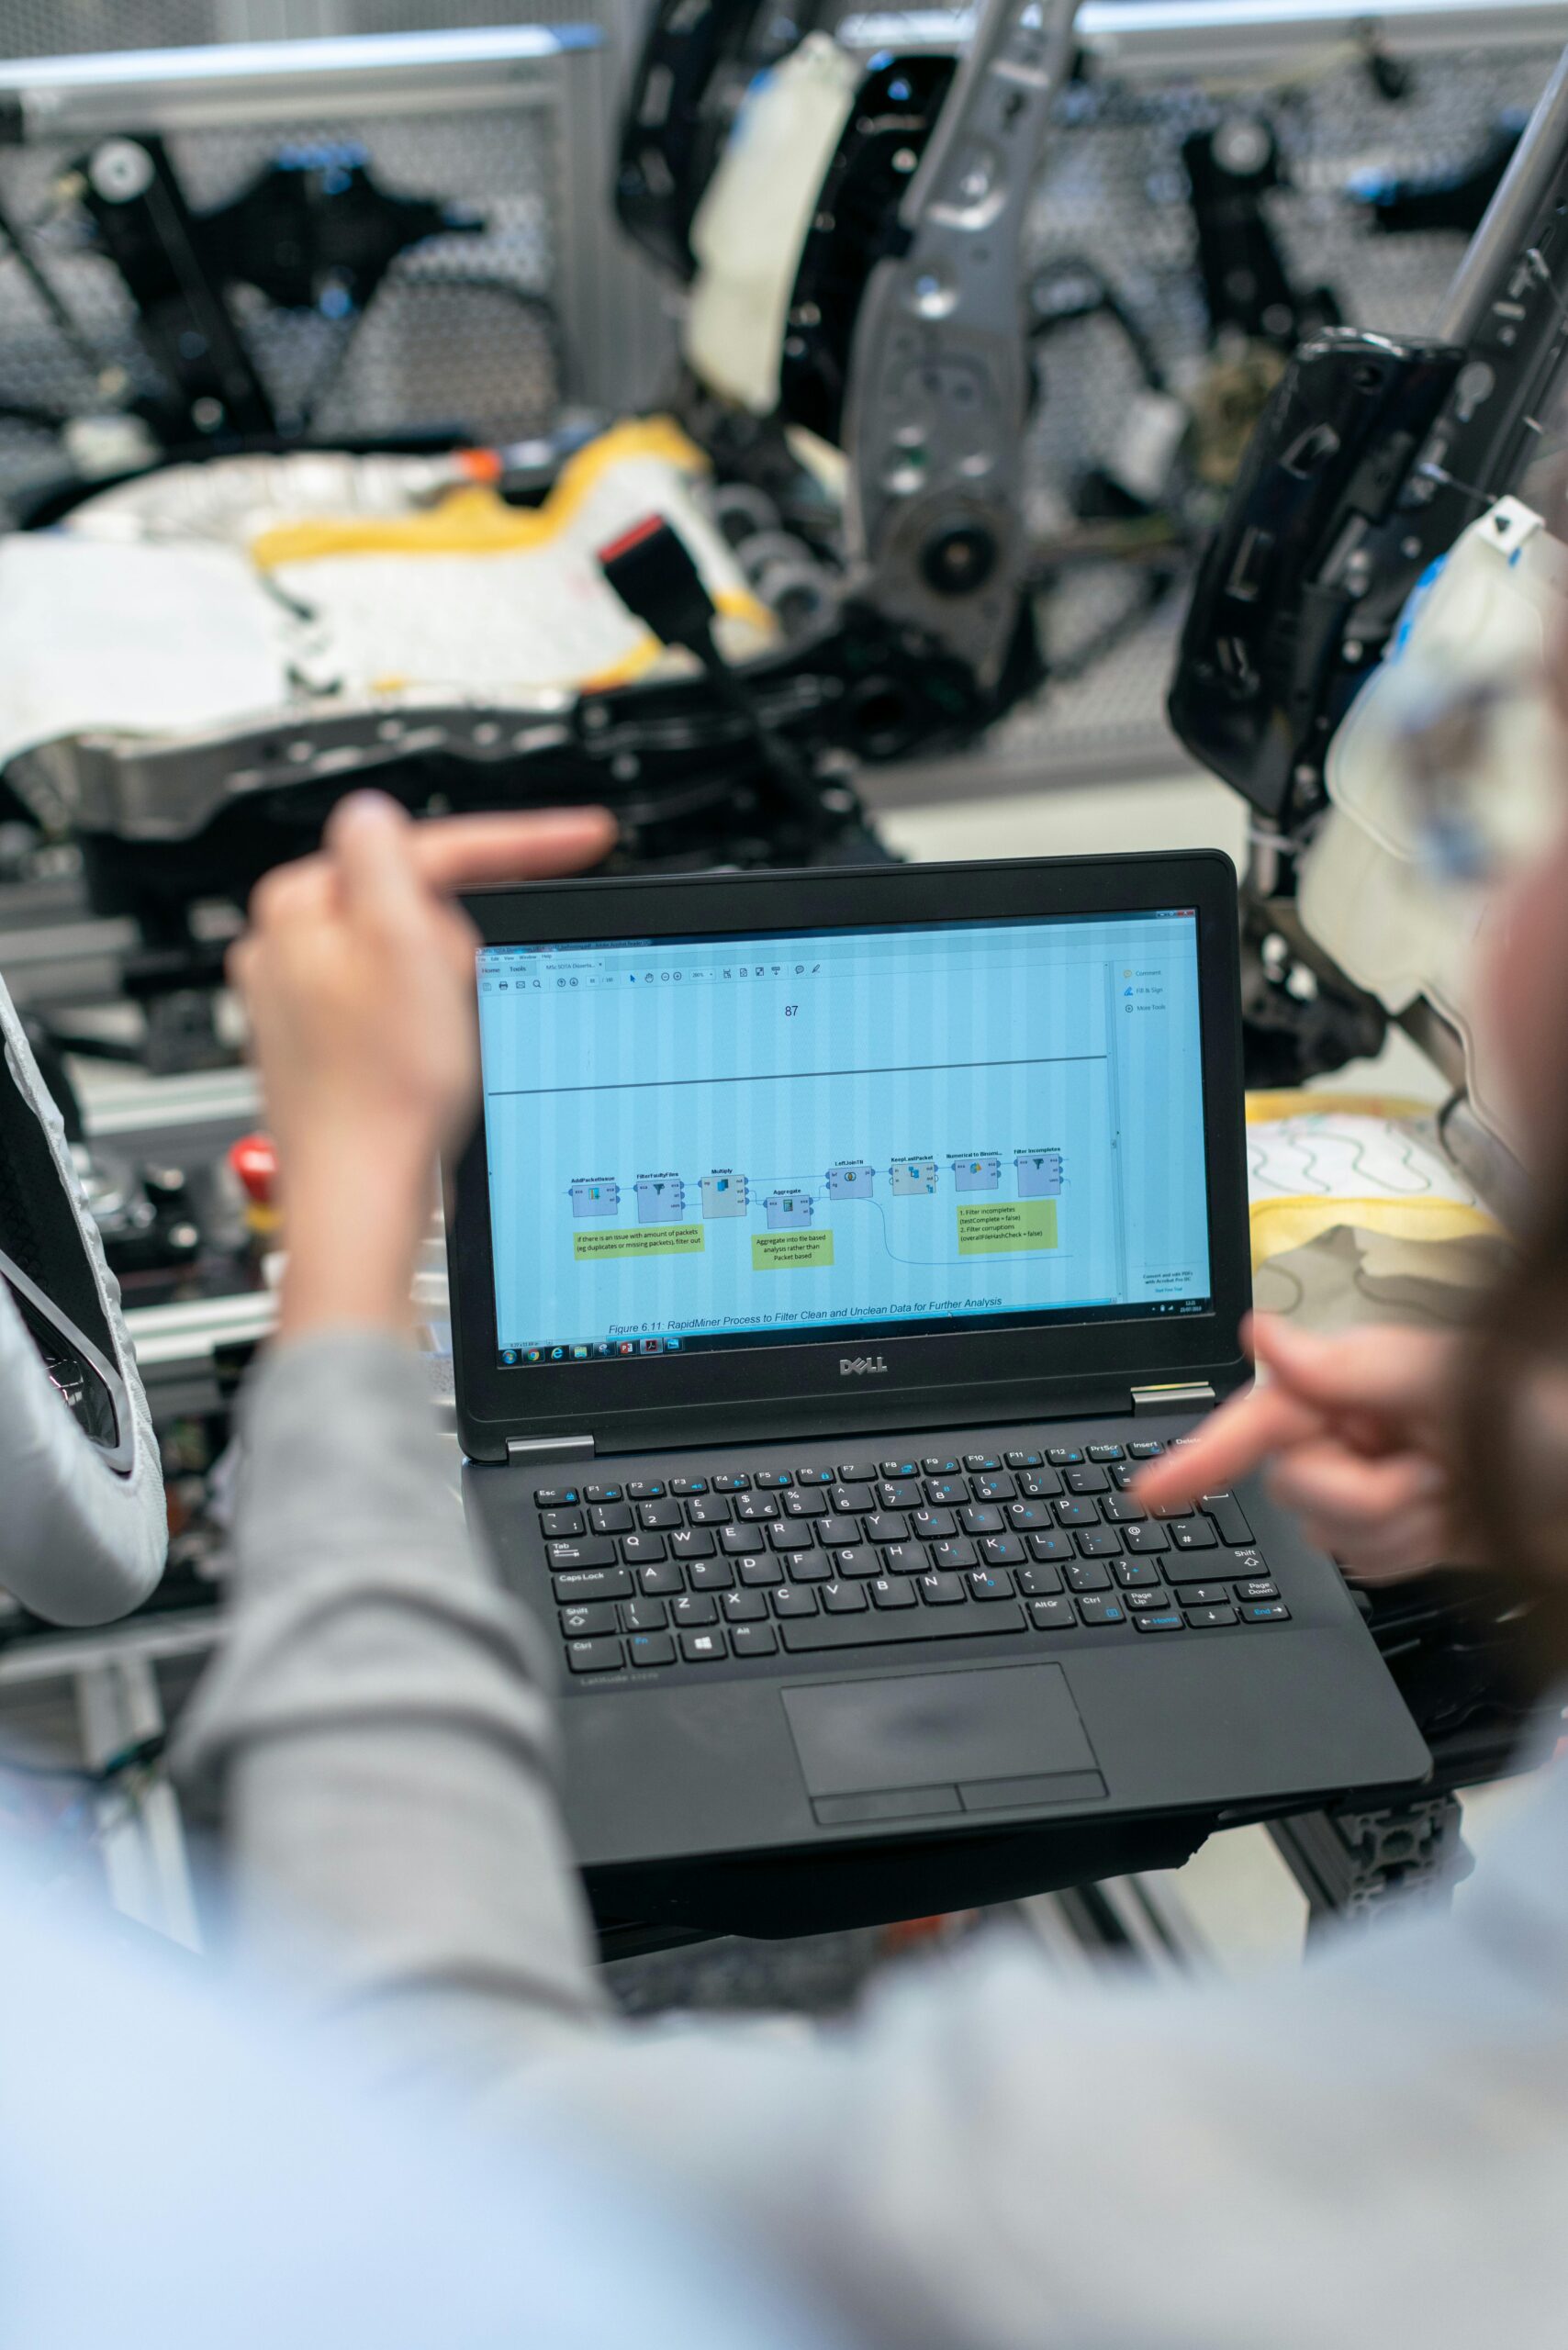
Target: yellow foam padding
(1279, 1225)
(473, 520)
(643, 657)
(1265, 1109)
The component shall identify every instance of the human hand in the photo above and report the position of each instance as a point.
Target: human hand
(357, 975)
(1361, 1433)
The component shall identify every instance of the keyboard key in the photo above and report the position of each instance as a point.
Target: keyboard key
(887, 1592)
(602, 1493)
(1147, 1449)
(772, 1481)
(850, 1500)
(589, 1553)
(1088, 1480)
(1120, 1509)
(811, 1503)
(1050, 1546)
(611, 1517)
(942, 1590)
(651, 1647)
(899, 1493)
(981, 1462)
(905, 1558)
(1144, 1603)
(1171, 1509)
(752, 1507)
(1003, 1550)
(702, 1648)
(644, 1615)
(586, 1623)
(691, 1542)
(933, 1524)
(659, 1579)
(713, 1510)
(809, 1566)
(813, 1476)
(1123, 1476)
(886, 1526)
(1077, 1513)
(951, 1556)
(1229, 1517)
(900, 1468)
(1038, 1583)
(934, 1468)
(754, 1639)
(1257, 1587)
(859, 1561)
(594, 1656)
(980, 1517)
(1104, 1452)
(1023, 1460)
(1040, 1484)
(1208, 1619)
(1146, 1539)
(740, 1542)
(1104, 1611)
(694, 1607)
(711, 1574)
(1206, 1594)
(743, 1607)
(1203, 1566)
(1063, 1456)
(792, 1602)
(1027, 1515)
(1134, 1574)
(947, 1493)
(555, 1496)
(642, 1550)
(755, 1572)
(878, 1626)
(1192, 1534)
(1099, 1542)
(835, 1531)
(1087, 1574)
(645, 1490)
(556, 1523)
(856, 1472)
(1163, 1620)
(687, 1486)
(1052, 1616)
(989, 1582)
(1267, 1611)
(658, 1518)
(843, 1599)
(797, 1533)
(993, 1489)
(595, 1583)
(734, 1483)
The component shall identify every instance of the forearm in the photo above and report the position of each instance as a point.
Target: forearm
(381, 1726)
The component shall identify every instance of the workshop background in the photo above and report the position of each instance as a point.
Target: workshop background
(523, 318)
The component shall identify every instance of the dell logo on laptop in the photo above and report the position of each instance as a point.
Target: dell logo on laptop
(860, 1366)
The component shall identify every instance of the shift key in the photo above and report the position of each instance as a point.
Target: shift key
(589, 1551)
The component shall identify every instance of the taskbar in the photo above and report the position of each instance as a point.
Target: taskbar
(540, 1356)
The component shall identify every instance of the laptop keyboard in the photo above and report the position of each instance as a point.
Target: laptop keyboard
(690, 1571)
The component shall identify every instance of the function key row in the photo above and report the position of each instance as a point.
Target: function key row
(846, 1473)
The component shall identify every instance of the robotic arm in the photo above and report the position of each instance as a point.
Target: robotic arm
(82, 1530)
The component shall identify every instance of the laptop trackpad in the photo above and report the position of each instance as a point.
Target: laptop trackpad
(944, 1736)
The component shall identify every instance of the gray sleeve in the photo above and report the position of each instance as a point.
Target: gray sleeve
(380, 1723)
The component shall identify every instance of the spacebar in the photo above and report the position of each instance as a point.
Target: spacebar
(874, 1627)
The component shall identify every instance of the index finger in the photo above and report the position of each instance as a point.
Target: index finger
(454, 853)
(1230, 1444)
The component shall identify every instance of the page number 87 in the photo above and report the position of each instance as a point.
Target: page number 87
(790, 1010)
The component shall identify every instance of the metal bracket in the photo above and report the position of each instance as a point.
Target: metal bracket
(1190, 1394)
(1353, 1863)
(536, 1451)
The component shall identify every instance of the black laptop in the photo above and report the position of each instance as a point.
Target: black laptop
(832, 1249)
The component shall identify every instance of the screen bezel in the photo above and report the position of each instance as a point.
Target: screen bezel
(930, 1375)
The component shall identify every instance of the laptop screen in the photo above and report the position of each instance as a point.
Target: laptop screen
(708, 1142)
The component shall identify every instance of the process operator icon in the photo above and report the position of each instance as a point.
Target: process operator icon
(911, 1176)
(976, 1174)
(849, 1182)
(595, 1199)
(1040, 1174)
(661, 1199)
(788, 1211)
(723, 1195)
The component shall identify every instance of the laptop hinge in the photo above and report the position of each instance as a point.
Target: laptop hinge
(534, 1451)
(1184, 1395)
